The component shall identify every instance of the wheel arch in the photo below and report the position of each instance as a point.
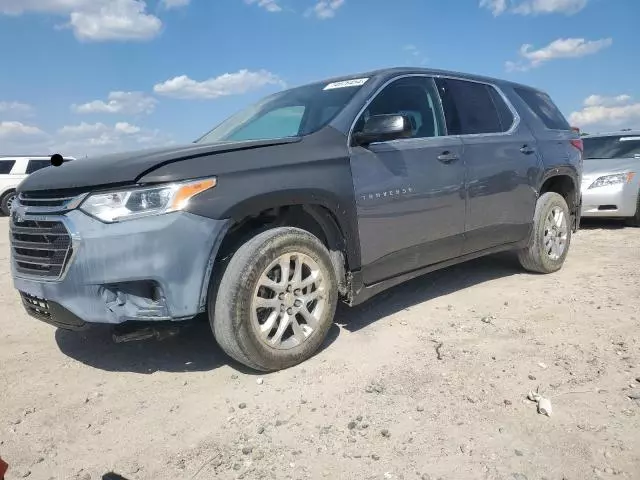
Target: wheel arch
(314, 213)
(564, 181)
(319, 209)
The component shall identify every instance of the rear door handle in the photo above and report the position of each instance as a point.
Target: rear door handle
(447, 157)
(527, 150)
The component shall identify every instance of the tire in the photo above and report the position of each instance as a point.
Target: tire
(236, 321)
(539, 256)
(635, 220)
(5, 202)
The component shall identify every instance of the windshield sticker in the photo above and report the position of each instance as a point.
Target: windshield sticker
(356, 82)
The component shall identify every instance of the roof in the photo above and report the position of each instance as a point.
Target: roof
(619, 133)
(33, 157)
(424, 71)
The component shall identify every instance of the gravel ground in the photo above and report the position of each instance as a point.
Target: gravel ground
(426, 381)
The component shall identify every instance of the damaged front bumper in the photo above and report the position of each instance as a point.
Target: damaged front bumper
(149, 269)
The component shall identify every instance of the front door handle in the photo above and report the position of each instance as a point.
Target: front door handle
(527, 150)
(448, 157)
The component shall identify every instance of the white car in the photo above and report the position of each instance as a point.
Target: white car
(14, 169)
(611, 176)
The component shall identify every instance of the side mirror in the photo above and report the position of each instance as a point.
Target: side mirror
(383, 128)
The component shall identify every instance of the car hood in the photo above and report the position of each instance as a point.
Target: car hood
(127, 167)
(612, 165)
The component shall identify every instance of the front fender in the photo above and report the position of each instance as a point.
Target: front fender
(327, 184)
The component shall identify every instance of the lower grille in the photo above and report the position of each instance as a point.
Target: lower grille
(40, 248)
(38, 307)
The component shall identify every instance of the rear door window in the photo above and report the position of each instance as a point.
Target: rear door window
(544, 108)
(35, 165)
(473, 108)
(611, 147)
(6, 166)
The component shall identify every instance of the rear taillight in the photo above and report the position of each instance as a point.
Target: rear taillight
(577, 143)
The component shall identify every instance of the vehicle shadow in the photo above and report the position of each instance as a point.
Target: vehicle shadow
(602, 223)
(194, 349)
(428, 287)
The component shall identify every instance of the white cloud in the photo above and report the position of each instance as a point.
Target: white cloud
(12, 130)
(94, 20)
(15, 108)
(598, 100)
(78, 140)
(128, 103)
(497, 7)
(17, 137)
(175, 3)
(608, 112)
(561, 48)
(325, 9)
(268, 5)
(416, 54)
(97, 130)
(224, 85)
(98, 138)
(533, 7)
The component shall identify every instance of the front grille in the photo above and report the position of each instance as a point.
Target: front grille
(50, 201)
(38, 307)
(40, 248)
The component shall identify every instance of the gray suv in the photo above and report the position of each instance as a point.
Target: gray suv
(331, 191)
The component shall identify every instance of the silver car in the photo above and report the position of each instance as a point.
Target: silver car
(611, 176)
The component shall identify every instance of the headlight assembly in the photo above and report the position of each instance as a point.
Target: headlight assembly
(615, 179)
(120, 205)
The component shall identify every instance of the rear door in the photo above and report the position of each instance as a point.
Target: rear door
(501, 160)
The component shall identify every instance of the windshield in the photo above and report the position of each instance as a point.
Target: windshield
(611, 147)
(291, 113)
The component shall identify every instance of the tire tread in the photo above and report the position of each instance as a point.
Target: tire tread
(224, 297)
(531, 257)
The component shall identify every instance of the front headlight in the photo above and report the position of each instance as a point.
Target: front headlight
(613, 179)
(122, 205)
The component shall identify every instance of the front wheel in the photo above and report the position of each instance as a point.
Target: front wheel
(550, 237)
(6, 202)
(276, 300)
(635, 220)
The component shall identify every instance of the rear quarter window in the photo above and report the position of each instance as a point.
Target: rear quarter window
(6, 166)
(35, 165)
(544, 108)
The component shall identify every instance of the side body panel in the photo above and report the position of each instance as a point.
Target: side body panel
(558, 156)
(410, 205)
(501, 186)
(252, 181)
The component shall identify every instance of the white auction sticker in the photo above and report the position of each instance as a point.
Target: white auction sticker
(356, 82)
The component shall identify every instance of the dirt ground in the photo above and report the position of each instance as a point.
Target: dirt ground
(426, 381)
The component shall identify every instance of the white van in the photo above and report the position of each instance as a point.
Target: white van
(14, 169)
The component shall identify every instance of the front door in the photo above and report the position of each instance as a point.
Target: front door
(410, 192)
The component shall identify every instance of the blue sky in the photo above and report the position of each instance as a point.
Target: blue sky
(93, 76)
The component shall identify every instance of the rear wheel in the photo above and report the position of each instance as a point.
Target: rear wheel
(550, 237)
(635, 220)
(6, 202)
(276, 300)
